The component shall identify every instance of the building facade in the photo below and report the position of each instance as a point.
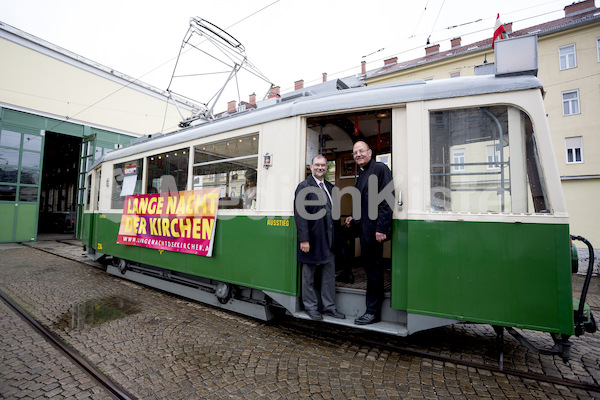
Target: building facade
(569, 68)
(59, 113)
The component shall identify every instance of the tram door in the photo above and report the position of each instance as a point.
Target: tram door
(85, 161)
(334, 136)
(91, 199)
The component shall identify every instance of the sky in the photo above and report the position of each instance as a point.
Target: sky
(286, 40)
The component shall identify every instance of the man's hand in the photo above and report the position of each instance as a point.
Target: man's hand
(305, 246)
(348, 221)
(380, 237)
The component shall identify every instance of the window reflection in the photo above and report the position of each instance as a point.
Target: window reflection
(8, 193)
(8, 174)
(28, 194)
(230, 165)
(32, 142)
(167, 172)
(30, 176)
(471, 168)
(9, 157)
(30, 159)
(10, 139)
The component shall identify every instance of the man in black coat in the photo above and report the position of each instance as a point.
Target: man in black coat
(374, 229)
(315, 228)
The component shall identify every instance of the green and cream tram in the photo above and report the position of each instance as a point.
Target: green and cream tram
(480, 229)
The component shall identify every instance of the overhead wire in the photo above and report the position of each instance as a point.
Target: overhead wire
(136, 80)
(450, 37)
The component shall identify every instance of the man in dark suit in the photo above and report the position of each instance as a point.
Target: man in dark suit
(315, 228)
(374, 229)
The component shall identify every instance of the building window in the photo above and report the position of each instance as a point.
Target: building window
(574, 146)
(567, 57)
(570, 101)
(20, 159)
(455, 74)
(458, 159)
(598, 48)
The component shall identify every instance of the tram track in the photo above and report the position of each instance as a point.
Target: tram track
(111, 387)
(333, 334)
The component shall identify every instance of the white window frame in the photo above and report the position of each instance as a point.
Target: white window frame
(458, 157)
(572, 144)
(567, 57)
(492, 156)
(598, 47)
(571, 102)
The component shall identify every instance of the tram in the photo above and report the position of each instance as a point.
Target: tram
(480, 228)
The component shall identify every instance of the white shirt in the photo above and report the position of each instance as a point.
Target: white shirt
(322, 182)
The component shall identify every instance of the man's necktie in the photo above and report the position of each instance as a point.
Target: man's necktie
(326, 195)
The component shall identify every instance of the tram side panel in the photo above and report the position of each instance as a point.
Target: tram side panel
(494, 273)
(248, 252)
(254, 248)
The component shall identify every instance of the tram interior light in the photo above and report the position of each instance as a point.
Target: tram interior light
(516, 56)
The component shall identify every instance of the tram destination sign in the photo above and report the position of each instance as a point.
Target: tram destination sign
(183, 222)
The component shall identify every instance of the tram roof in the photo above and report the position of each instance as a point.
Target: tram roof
(336, 100)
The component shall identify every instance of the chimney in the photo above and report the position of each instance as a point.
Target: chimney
(390, 61)
(324, 76)
(274, 92)
(363, 67)
(231, 107)
(252, 99)
(299, 84)
(455, 43)
(508, 28)
(432, 50)
(578, 8)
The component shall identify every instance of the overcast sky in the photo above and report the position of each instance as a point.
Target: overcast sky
(287, 40)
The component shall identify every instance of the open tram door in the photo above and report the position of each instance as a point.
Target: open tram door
(334, 137)
(91, 199)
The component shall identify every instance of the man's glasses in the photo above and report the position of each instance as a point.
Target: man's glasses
(361, 151)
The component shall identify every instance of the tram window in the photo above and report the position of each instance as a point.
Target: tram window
(167, 172)
(536, 187)
(98, 181)
(127, 180)
(479, 179)
(88, 192)
(471, 168)
(230, 165)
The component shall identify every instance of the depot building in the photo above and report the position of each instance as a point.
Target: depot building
(59, 113)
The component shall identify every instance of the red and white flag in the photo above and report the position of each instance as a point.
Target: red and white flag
(499, 31)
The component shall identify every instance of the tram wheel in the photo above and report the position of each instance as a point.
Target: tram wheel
(123, 266)
(223, 292)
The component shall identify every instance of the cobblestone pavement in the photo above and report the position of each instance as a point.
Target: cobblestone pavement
(160, 346)
(32, 368)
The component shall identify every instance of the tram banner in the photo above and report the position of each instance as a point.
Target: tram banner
(184, 222)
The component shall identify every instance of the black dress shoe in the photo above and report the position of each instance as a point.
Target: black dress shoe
(334, 314)
(313, 314)
(345, 277)
(367, 319)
